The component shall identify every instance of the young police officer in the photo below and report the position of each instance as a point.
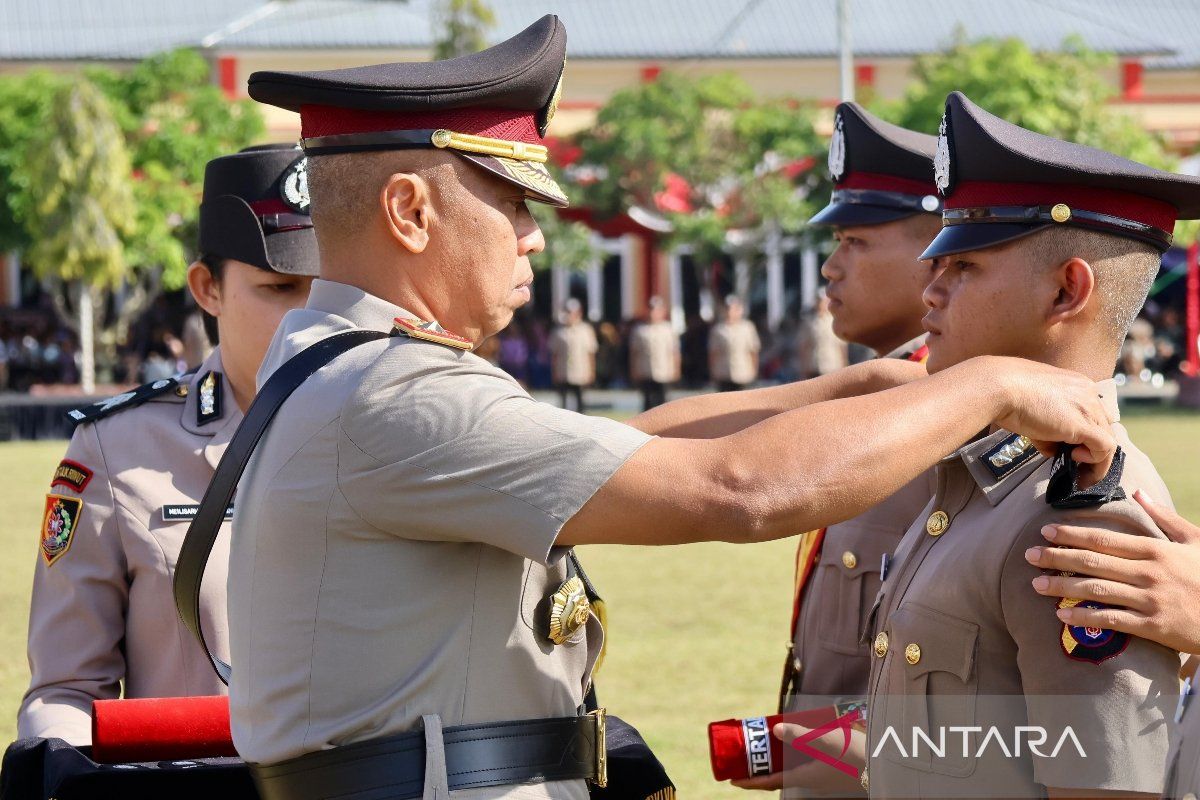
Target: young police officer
(402, 613)
(120, 501)
(884, 212)
(1048, 251)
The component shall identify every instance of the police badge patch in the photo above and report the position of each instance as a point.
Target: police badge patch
(837, 150)
(59, 522)
(1095, 645)
(293, 186)
(941, 159)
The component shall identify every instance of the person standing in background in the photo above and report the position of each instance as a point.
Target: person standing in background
(573, 356)
(733, 347)
(654, 357)
(820, 350)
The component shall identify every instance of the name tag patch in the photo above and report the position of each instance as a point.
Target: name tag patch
(185, 513)
(71, 474)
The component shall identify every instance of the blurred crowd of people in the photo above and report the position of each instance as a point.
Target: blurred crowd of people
(568, 356)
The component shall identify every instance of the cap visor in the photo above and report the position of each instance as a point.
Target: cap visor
(531, 176)
(294, 252)
(964, 238)
(858, 214)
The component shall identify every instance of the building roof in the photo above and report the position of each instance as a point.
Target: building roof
(1165, 31)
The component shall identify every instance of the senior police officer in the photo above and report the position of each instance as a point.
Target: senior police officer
(404, 618)
(138, 464)
(884, 212)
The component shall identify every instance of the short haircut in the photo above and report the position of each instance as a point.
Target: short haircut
(344, 188)
(1125, 270)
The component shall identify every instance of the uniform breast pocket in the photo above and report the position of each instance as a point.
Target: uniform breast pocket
(847, 583)
(932, 689)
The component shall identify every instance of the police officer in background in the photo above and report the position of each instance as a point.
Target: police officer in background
(884, 213)
(733, 346)
(137, 465)
(403, 603)
(654, 356)
(573, 349)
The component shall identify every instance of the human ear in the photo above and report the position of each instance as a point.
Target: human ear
(204, 287)
(405, 201)
(1074, 284)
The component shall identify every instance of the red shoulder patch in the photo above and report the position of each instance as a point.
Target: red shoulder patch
(71, 474)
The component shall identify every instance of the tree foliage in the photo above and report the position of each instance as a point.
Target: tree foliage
(84, 208)
(568, 243)
(462, 27)
(728, 151)
(1063, 94)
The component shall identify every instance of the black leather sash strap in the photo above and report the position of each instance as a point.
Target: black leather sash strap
(202, 533)
(393, 768)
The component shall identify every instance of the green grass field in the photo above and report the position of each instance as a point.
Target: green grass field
(697, 632)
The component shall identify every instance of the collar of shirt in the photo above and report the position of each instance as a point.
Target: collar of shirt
(219, 431)
(908, 348)
(997, 478)
(361, 309)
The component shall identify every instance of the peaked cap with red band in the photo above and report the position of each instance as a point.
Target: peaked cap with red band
(881, 172)
(491, 107)
(255, 210)
(1002, 182)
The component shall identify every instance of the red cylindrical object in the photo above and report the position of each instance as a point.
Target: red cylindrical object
(160, 729)
(744, 748)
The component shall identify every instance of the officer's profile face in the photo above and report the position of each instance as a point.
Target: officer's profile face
(875, 279)
(985, 302)
(248, 303)
(482, 236)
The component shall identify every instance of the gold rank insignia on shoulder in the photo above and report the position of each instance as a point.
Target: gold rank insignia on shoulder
(569, 610)
(431, 332)
(1011, 453)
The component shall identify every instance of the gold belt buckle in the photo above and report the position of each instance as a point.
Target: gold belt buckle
(601, 779)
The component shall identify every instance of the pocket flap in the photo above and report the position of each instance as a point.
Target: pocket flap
(861, 544)
(946, 643)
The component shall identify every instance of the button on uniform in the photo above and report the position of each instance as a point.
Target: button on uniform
(849, 560)
(881, 644)
(937, 523)
(912, 653)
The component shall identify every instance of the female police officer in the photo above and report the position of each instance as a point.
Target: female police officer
(138, 464)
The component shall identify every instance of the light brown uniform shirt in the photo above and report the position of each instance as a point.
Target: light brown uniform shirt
(393, 546)
(102, 612)
(733, 352)
(573, 350)
(828, 656)
(1183, 763)
(654, 352)
(961, 635)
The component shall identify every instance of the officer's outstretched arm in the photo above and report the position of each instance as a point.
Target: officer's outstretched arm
(827, 462)
(709, 416)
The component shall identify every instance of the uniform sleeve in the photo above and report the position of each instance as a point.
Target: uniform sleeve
(77, 613)
(1115, 691)
(472, 458)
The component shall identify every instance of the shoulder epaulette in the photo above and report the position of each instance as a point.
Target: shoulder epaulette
(1063, 490)
(121, 402)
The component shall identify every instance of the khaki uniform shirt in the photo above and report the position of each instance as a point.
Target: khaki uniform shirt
(828, 656)
(573, 349)
(961, 636)
(654, 352)
(393, 548)
(733, 352)
(102, 611)
(1183, 764)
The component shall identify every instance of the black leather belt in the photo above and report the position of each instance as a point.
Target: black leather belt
(494, 754)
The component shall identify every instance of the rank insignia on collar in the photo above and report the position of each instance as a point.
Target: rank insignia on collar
(430, 332)
(71, 474)
(569, 610)
(1090, 644)
(208, 405)
(1011, 453)
(59, 522)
